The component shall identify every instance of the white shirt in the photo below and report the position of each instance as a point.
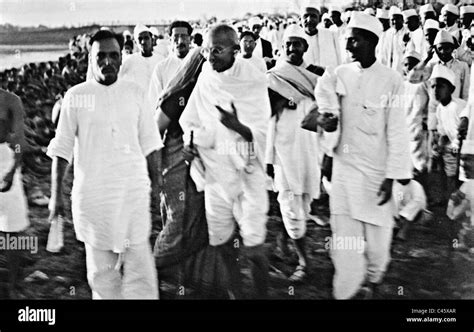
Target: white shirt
(139, 69)
(111, 130)
(259, 63)
(162, 74)
(448, 118)
(323, 49)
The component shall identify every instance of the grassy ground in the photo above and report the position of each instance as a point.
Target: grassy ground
(423, 267)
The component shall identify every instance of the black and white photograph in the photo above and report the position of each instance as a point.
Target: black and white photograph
(248, 153)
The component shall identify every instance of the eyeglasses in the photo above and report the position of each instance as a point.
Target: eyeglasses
(205, 51)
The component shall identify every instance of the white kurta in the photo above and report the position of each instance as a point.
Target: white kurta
(415, 102)
(13, 205)
(393, 49)
(259, 63)
(111, 130)
(162, 74)
(323, 49)
(373, 143)
(409, 199)
(418, 41)
(448, 119)
(138, 69)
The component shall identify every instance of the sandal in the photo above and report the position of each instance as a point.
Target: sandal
(299, 275)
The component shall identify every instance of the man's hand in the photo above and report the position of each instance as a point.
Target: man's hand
(189, 153)
(406, 38)
(385, 191)
(230, 120)
(7, 182)
(457, 197)
(328, 122)
(429, 54)
(270, 171)
(462, 129)
(56, 208)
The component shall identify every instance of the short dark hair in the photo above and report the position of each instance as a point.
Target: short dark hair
(247, 33)
(180, 24)
(197, 39)
(107, 34)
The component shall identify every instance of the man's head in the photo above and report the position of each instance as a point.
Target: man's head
(247, 43)
(412, 21)
(467, 14)
(105, 57)
(128, 47)
(255, 25)
(443, 83)
(362, 36)
(449, 15)
(410, 60)
(326, 19)
(197, 39)
(427, 12)
(445, 45)
(310, 18)
(396, 21)
(294, 44)
(221, 47)
(180, 34)
(144, 40)
(430, 29)
(335, 15)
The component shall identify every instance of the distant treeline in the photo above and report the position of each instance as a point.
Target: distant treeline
(49, 36)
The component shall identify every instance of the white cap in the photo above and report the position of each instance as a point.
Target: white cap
(431, 24)
(139, 28)
(154, 31)
(426, 8)
(326, 17)
(394, 10)
(126, 33)
(440, 71)
(254, 21)
(369, 11)
(450, 8)
(409, 13)
(366, 22)
(294, 30)
(382, 14)
(412, 53)
(443, 37)
(311, 4)
(466, 10)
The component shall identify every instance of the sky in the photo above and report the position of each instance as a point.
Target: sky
(80, 12)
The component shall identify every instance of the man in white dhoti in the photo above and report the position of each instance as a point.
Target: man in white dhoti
(292, 150)
(107, 124)
(180, 34)
(394, 48)
(372, 152)
(415, 31)
(227, 114)
(139, 66)
(323, 44)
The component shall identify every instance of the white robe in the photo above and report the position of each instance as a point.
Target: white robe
(374, 141)
(138, 69)
(162, 74)
(110, 130)
(393, 49)
(323, 49)
(258, 62)
(409, 199)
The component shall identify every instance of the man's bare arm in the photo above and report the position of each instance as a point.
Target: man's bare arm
(58, 169)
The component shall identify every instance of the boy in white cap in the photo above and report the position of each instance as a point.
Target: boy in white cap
(427, 12)
(415, 34)
(291, 150)
(448, 116)
(394, 46)
(450, 16)
(139, 66)
(372, 152)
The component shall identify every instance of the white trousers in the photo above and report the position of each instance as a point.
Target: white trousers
(294, 211)
(139, 279)
(243, 200)
(353, 265)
